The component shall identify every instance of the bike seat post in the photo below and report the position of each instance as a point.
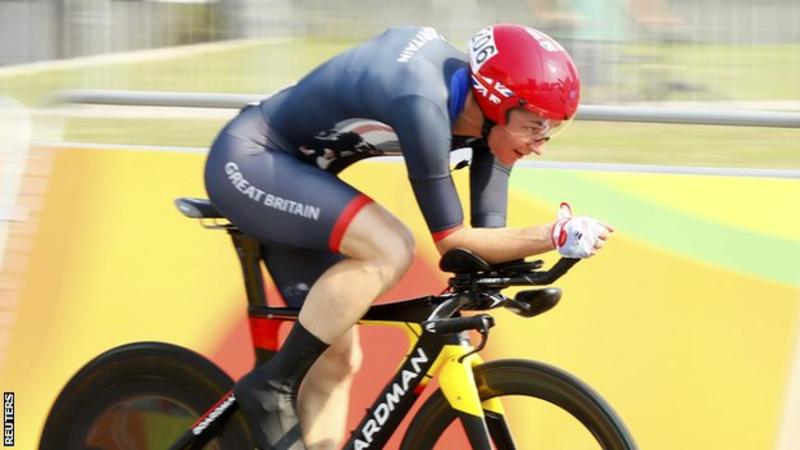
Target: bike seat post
(248, 249)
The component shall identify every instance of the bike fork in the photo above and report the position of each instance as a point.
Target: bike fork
(483, 422)
(476, 430)
(498, 428)
(490, 427)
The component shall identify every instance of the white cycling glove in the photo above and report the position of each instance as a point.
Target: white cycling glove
(576, 237)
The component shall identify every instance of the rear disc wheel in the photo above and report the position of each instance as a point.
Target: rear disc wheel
(141, 396)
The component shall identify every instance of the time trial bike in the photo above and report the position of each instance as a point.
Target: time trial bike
(155, 395)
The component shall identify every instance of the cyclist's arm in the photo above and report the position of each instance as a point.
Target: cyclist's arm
(488, 187)
(425, 138)
(424, 133)
(489, 199)
(500, 244)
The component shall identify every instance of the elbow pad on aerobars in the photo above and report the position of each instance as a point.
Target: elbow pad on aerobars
(575, 237)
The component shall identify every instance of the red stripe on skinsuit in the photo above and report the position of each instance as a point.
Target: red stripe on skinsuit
(439, 235)
(344, 220)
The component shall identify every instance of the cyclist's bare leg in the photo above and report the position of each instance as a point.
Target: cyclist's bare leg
(325, 393)
(380, 250)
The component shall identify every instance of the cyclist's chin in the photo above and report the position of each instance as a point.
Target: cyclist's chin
(508, 156)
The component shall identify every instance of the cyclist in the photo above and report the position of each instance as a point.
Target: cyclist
(331, 249)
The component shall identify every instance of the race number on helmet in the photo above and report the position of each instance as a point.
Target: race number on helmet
(518, 66)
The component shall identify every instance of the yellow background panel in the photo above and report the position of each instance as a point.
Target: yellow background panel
(693, 356)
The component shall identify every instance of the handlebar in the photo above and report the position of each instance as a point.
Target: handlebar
(456, 325)
(533, 278)
(497, 277)
(476, 285)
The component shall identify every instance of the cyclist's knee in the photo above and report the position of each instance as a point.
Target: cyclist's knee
(398, 251)
(377, 236)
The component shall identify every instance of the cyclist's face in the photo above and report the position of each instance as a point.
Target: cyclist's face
(523, 134)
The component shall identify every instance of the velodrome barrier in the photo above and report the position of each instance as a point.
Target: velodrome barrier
(585, 112)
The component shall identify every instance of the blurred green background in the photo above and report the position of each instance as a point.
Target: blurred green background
(674, 54)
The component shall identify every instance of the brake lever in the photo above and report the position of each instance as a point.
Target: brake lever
(486, 323)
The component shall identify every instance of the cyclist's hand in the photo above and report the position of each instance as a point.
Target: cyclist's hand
(578, 237)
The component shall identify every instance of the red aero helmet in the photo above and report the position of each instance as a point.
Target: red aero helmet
(514, 65)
